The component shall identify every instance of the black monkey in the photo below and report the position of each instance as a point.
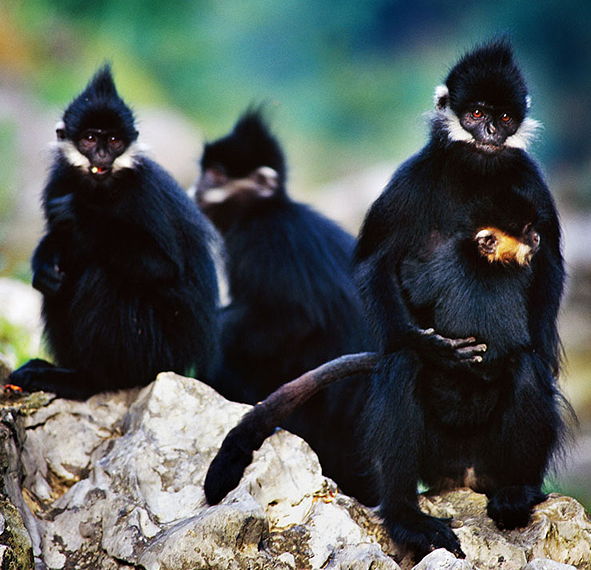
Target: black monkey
(129, 286)
(460, 267)
(294, 303)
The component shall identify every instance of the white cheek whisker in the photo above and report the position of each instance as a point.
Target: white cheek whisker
(526, 132)
(129, 158)
(452, 125)
(68, 150)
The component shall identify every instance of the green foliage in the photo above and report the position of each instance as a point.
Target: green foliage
(352, 77)
(15, 342)
(8, 150)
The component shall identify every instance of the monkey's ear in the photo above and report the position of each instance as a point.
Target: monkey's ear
(441, 97)
(60, 130)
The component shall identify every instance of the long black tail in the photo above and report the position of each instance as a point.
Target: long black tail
(235, 454)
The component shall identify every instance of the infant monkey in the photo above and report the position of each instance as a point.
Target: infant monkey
(498, 246)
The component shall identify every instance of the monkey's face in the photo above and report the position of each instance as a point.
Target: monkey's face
(217, 187)
(489, 126)
(496, 245)
(101, 147)
(97, 152)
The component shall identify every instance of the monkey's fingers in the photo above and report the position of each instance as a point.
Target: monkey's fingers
(446, 343)
(471, 354)
(460, 343)
(458, 350)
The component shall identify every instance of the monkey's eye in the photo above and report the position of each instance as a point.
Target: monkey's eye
(115, 142)
(477, 113)
(506, 118)
(87, 141)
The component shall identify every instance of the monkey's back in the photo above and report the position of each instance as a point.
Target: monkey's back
(294, 303)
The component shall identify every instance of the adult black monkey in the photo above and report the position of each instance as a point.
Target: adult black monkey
(129, 286)
(463, 247)
(459, 263)
(294, 303)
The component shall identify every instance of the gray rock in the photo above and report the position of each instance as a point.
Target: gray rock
(441, 559)
(139, 499)
(362, 557)
(560, 530)
(539, 564)
(116, 483)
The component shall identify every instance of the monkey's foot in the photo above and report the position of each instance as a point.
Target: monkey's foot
(511, 507)
(424, 534)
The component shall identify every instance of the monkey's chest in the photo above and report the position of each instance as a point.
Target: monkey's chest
(461, 297)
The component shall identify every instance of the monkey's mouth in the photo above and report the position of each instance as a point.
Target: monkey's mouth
(99, 170)
(489, 148)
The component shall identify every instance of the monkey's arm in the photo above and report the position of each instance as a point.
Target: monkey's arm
(545, 295)
(48, 274)
(381, 294)
(546, 288)
(380, 250)
(394, 323)
(38, 375)
(48, 259)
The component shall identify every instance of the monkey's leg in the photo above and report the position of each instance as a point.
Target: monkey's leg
(395, 434)
(519, 452)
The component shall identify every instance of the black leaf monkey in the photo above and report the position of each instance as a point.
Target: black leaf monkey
(129, 286)
(460, 267)
(294, 304)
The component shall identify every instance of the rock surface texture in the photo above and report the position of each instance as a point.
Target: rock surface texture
(116, 483)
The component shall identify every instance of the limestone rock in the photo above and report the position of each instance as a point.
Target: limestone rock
(441, 559)
(16, 549)
(539, 564)
(115, 483)
(362, 557)
(136, 493)
(560, 530)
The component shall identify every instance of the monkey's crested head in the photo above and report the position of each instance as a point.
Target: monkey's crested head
(488, 74)
(249, 146)
(99, 106)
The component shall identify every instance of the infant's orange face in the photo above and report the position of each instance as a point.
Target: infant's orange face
(498, 246)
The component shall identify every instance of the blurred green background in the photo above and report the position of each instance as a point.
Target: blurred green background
(347, 85)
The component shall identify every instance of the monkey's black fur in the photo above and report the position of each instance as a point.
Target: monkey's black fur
(294, 303)
(129, 287)
(445, 411)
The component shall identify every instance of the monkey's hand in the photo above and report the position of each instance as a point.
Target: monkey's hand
(448, 351)
(48, 278)
(59, 210)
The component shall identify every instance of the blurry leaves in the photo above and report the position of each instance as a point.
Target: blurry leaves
(353, 77)
(15, 342)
